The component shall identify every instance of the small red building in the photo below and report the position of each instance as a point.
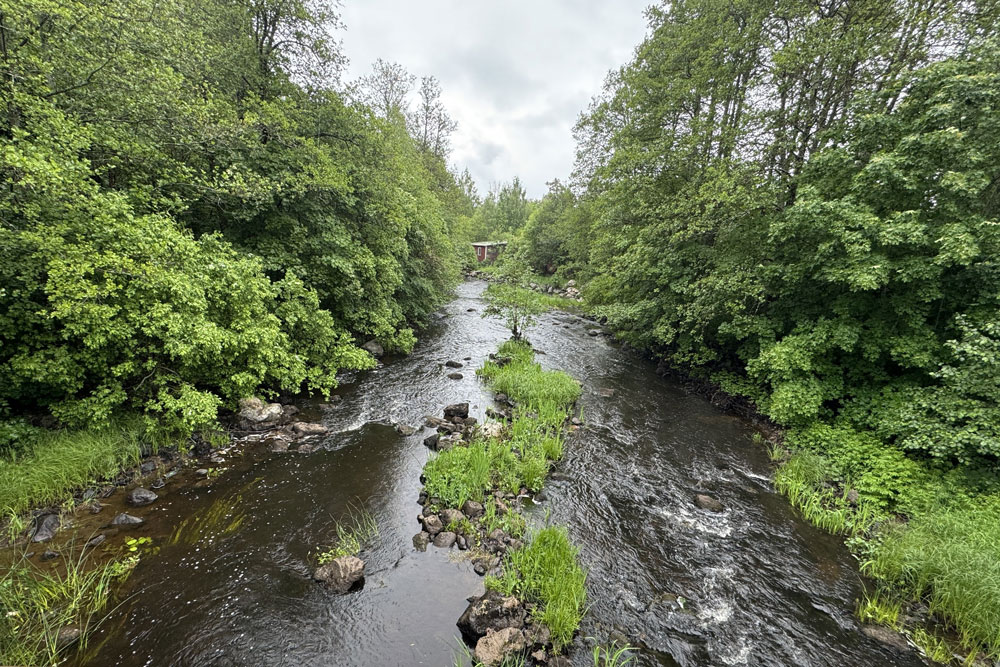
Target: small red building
(487, 251)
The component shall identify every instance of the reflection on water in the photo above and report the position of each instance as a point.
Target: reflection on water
(752, 585)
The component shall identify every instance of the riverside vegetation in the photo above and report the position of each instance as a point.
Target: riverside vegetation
(472, 484)
(799, 203)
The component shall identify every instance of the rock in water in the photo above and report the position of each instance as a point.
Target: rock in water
(308, 428)
(453, 364)
(46, 528)
(254, 412)
(139, 496)
(457, 410)
(432, 441)
(375, 349)
(455, 376)
(95, 541)
(126, 520)
(420, 540)
(341, 574)
(492, 611)
(496, 644)
(445, 539)
(707, 502)
(405, 429)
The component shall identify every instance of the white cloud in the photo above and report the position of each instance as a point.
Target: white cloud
(514, 74)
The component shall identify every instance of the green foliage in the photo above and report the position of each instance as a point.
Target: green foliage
(517, 307)
(880, 608)
(352, 534)
(528, 385)
(545, 571)
(38, 603)
(612, 655)
(56, 463)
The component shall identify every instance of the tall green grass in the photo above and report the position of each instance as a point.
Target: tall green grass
(526, 382)
(951, 559)
(546, 571)
(351, 535)
(36, 603)
(56, 463)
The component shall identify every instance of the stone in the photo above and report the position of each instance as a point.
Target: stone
(420, 540)
(453, 364)
(432, 524)
(593, 332)
(853, 496)
(308, 428)
(570, 283)
(147, 467)
(96, 507)
(462, 542)
(374, 348)
(707, 502)
(480, 567)
(435, 422)
(96, 541)
(447, 442)
(201, 472)
(158, 483)
(576, 421)
(451, 516)
(496, 644)
(491, 611)
(455, 376)
(255, 412)
(560, 661)
(139, 497)
(405, 429)
(457, 410)
(886, 636)
(445, 539)
(472, 509)
(67, 635)
(606, 393)
(341, 574)
(491, 429)
(127, 520)
(48, 554)
(432, 441)
(46, 528)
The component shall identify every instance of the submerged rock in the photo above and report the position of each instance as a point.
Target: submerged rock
(341, 574)
(67, 635)
(46, 528)
(496, 644)
(455, 376)
(707, 502)
(48, 554)
(139, 497)
(127, 520)
(606, 393)
(405, 429)
(420, 540)
(453, 364)
(457, 410)
(96, 541)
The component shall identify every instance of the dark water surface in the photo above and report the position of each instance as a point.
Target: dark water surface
(754, 585)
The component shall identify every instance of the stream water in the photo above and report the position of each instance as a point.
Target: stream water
(228, 583)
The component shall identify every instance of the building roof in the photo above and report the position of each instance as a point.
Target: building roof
(489, 243)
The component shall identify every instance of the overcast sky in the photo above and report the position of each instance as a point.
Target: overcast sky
(515, 74)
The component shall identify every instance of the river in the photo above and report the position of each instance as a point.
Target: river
(228, 580)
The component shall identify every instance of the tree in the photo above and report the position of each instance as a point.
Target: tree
(510, 301)
(385, 90)
(430, 124)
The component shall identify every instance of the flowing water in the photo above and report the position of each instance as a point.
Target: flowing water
(229, 584)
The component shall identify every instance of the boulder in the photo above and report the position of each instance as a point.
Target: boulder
(432, 524)
(455, 376)
(472, 509)
(707, 502)
(308, 428)
(457, 410)
(341, 574)
(435, 422)
(139, 497)
(405, 429)
(374, 348)
(432, 440)
(126, 520)
(453, 364)
(492, 611)
(491, 429)
(496, 644)
(447, 442)
(46, 528)
(255, 412)
(593, 332)
(420, 540)
(451, 516)
(445, 539)
(147, 467)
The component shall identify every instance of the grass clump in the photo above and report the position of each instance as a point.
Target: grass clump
(36, 604)
(526, 382)
(612, 655)
(55, 463)
(546, 572)
(351, 536)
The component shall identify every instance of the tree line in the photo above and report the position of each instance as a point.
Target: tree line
(195, 208)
